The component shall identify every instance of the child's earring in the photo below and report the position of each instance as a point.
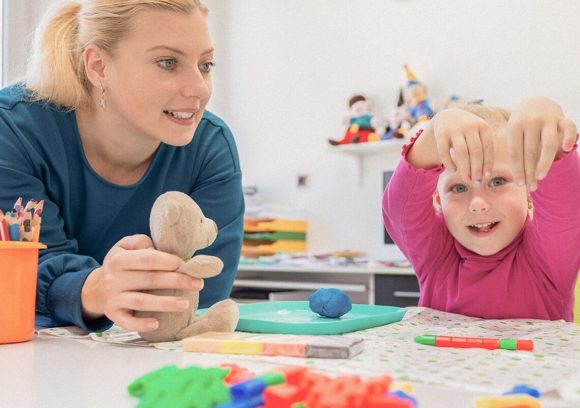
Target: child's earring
(102, 102)
(530, 205)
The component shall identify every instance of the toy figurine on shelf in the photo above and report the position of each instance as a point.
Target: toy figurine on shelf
(420, 106)
(454, 100)
(362, 124)
(399, 120)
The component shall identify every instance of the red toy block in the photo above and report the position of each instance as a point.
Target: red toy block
(282, 396)
(293, 374)
(236, 374)
(378, 385)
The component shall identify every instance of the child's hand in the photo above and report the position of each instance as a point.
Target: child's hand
(538, 132)
(131, 266)
(464, 142)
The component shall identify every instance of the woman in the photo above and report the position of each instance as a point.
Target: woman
(110, 116)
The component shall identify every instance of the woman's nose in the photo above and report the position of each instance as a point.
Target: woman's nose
(196, 86)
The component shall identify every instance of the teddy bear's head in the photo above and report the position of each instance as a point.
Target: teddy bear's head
(178, 225)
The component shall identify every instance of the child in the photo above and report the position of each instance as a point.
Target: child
(481, 252)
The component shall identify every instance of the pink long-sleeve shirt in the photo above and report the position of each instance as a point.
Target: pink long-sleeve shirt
(533, 277)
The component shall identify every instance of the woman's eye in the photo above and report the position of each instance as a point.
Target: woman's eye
(459, 188)
(167, 63)
(207, 67)
(496, 181)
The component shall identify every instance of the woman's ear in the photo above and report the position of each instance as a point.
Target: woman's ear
(437, 202)
(95, 60)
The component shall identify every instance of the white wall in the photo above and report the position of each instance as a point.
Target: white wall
(286, 69)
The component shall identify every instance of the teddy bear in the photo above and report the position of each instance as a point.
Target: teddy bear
(179, 227)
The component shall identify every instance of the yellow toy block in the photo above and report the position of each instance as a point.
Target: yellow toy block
(507, 401)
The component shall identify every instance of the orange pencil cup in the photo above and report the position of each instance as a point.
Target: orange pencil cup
(18, 274)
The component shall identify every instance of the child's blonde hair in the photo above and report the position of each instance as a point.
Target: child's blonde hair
(491, 114)
(56, 72)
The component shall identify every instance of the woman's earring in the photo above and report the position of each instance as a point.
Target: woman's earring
(102, 102)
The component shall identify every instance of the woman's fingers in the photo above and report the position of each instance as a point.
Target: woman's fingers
(148, 259)
(125, 319)
(146, 280)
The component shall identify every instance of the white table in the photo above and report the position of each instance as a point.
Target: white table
(54, 372)
(49, 372)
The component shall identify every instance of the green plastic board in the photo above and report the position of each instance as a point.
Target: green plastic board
(295, 317)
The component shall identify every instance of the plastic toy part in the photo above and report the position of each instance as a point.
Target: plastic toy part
(475, 342)
(172, 387)
(507, 401)
(524, 389)
(287, 387)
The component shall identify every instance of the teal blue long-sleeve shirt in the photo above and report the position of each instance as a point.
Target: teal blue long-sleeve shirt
(41, 158)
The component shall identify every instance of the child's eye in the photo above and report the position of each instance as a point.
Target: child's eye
(207, 67)
(459, 188)
(496, 181)
(167, 64)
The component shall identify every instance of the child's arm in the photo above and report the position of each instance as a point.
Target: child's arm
(538, 133)
(409, 215)
(457, 139)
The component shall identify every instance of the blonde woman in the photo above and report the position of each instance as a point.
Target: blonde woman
(110, 116)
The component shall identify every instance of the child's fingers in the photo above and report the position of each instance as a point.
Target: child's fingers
(475, 153)
(443, 148)
(487, 145)
(549, 146)
(568, 128)
(461, 156)
(531, 153)
(516, 149)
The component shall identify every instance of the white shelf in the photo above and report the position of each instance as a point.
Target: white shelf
(273, 284)
(358, 150)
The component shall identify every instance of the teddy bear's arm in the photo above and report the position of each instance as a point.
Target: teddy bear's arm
(202, 266)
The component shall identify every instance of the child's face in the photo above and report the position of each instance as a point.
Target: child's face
(484, 217)
(160, 80)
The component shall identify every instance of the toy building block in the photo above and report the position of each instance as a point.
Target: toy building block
(236, 374)
(192, 386)
(283, 396)
(507, 401)
(523, 389)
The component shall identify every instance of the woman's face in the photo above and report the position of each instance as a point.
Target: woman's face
(158, 78)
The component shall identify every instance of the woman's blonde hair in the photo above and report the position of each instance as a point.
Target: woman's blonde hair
(56, 71)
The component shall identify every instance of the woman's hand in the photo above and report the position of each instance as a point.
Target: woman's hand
(538, 132)
(131, 266)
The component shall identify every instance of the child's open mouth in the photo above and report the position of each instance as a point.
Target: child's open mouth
(483, 228)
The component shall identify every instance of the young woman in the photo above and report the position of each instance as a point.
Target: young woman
(110, 116)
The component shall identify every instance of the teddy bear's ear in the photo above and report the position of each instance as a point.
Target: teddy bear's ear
(171, 214)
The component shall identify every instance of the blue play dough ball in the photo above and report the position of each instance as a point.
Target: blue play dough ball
(330, 302)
